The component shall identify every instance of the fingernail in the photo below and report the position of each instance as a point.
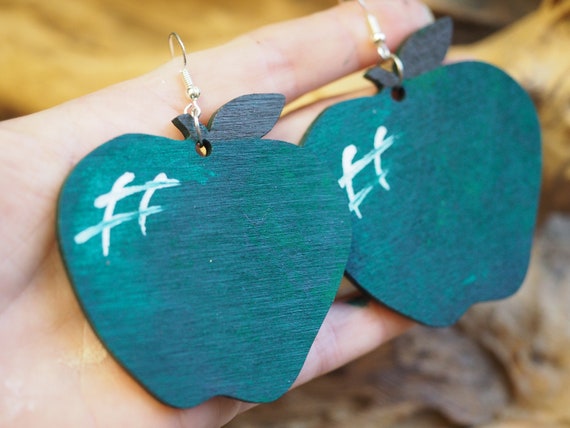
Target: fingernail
(428, 14)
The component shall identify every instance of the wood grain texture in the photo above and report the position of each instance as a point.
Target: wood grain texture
(531, 51)
(225, 290)
(248, 116)
(423, 51)
(448, 219)
(75, 62)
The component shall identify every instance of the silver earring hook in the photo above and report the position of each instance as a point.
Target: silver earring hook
(379, 39)
(171, 37)
(376, 33)
(192, 91)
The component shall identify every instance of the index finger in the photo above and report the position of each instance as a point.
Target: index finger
(298, 56)
(291, 58)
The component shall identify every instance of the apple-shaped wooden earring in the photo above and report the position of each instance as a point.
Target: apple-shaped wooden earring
(441, 173)
(206, 273)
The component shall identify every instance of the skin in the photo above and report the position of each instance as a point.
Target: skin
(53, 369)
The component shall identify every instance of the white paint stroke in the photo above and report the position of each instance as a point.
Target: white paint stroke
(351, 169)
(120, 191)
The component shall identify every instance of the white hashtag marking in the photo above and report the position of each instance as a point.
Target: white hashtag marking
(119, 191)
(351, 169)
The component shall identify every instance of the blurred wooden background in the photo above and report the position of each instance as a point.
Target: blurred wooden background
(506, 364)
(52, 51)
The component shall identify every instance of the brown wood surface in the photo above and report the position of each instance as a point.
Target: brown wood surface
(490, 13)
(52, 51)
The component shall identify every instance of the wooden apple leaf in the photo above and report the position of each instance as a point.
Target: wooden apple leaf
(382, 77)
(247, 116)
(423, 51)
(185, 124)
(244, 117)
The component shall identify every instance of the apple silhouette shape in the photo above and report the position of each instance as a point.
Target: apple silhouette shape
(442, 178)
(206, 276)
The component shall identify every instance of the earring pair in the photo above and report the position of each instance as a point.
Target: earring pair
(206, 266)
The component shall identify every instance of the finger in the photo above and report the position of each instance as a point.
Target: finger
(298, 56)
(290, 58)
(349, 331)
(216, 412)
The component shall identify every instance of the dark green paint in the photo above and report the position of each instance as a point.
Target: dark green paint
(229, 287)
(456, 226)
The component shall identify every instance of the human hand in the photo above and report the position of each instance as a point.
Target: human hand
(54, 370)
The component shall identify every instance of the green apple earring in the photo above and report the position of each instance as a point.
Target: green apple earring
(206, 272)
(441, 173)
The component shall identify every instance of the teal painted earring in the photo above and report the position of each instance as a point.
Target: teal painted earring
(441, 173)
(206, 273)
